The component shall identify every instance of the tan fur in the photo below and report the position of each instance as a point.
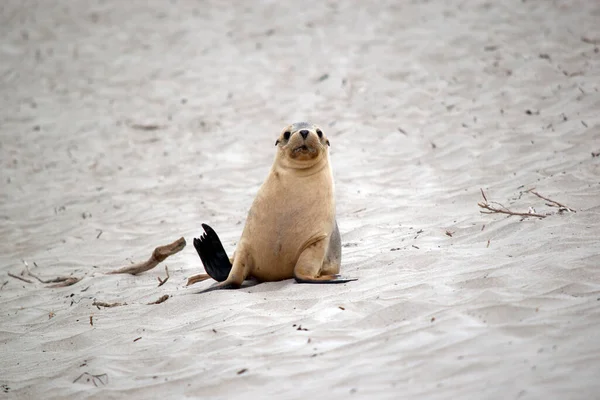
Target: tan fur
(292, 219)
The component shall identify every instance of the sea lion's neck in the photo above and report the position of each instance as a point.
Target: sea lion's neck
(300, 169)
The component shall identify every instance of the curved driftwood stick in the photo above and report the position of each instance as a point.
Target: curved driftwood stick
(158, 255)
(197, 278)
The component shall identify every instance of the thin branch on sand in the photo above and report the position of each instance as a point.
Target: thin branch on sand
(61, 281)
(93, 378)
(163, 281)
(503, 210)
(158, 255)
(561, 207)
(483, 194)
(160, 300)
(197, 278)
(19, 278)
(147, 127)
(107, 305)
(64, 281)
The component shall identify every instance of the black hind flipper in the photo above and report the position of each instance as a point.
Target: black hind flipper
(213, 255)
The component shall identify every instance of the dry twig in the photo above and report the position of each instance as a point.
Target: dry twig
(64, 281)
(93, 378)
(590, 40)
(61, 280)
(19, 278)
(161, 281)
(554, 203)
(503, 210)
(99, 304)
(158, 255)
(4, 284)
(160, 300)
(147, 127)
(197, 278)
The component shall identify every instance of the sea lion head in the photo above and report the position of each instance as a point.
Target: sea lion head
(302, 143)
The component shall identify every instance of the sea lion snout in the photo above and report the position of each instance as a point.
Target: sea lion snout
(304, 133)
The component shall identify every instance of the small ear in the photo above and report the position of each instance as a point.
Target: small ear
(276, 142)
(328, 144)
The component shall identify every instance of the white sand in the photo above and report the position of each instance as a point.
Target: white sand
(440, 317)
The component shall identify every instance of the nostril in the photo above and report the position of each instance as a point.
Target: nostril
(304, 133)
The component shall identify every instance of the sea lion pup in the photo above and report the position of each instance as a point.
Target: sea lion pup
(291, 229)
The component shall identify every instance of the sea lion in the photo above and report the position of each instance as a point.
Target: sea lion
(291, 230)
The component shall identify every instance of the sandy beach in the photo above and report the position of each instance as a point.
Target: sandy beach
(125, 125)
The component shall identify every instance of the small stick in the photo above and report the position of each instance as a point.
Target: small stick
(160, 300)
(197, 278)
(500, 204)
(19, 278)
(54, 280)
(64, 282)
(60, 281)
(107, 305)
(589, 40)
(4, 284)
(552, 201)
(504, 210)
(94, 377)
(158, 255)
(162, 282)
(483, 194)
(497, 210)
(91, 320)
(146, 127)
(99, 233)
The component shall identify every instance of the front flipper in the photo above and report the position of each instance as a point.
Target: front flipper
(213, 255)
(310, 267)
(221, 286)
(324, 279)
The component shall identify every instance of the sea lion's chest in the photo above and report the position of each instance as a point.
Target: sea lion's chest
(288, 213)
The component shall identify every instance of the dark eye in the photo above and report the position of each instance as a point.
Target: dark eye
(320, 133)
(286, 135)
